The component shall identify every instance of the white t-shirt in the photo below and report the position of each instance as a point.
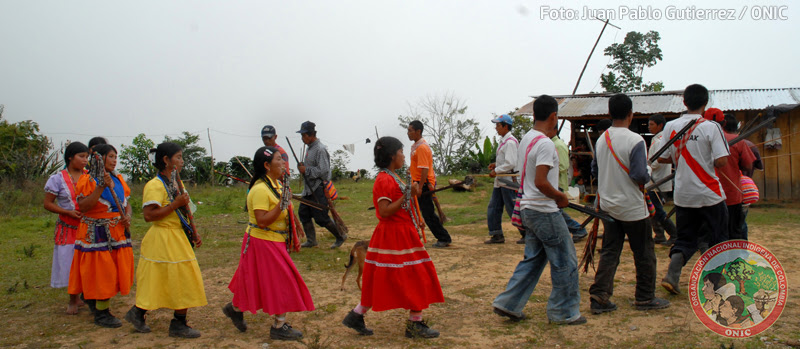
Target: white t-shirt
(659, 170)
(620, 196)
(542, 153)
(506, 158)
(696, 183)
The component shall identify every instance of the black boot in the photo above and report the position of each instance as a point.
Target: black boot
(671, 230)
(356, 321)
(496, 239)
(236, 316)
(672, 280)
(338, 234)
(104, 318)
(659, 232)
(179, 328)
(90, 303)
(311, 235)
(420, 329)
(136, 317)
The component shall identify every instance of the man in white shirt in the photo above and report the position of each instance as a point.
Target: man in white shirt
(660, 221)
(505, 188)
(547, 239)
(621, 169)
(699, 197)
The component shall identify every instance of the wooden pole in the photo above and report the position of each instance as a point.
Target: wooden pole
(211, 147)
(584, 67)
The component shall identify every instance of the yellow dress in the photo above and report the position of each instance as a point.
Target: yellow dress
(167, 275)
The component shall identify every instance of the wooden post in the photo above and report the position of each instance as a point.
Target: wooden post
(211, 147)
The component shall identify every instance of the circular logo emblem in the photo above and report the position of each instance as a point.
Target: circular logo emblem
(738, 289)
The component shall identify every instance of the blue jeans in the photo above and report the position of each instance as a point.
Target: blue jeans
(546, 240)
(501, 198)
(573, 226)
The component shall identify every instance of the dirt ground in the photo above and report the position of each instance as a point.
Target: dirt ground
(471, 274)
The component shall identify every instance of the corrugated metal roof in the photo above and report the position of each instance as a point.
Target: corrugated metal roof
(672, 101)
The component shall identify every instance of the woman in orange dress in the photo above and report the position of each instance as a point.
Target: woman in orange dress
(102, 265)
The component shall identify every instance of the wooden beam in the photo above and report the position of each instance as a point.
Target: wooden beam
(784, 165)
(794, 122)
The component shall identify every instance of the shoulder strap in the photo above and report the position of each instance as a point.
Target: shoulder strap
(685, 138)
(611, 148)
(525, 163)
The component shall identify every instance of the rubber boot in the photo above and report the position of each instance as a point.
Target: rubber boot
(179, 328)
(339, 235)
(672, 280)
(659, 232)
(136, 317)
(311, 235)
(671, 230)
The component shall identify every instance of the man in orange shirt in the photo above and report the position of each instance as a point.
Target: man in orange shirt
(421, 169)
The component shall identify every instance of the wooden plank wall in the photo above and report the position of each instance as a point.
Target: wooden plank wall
(780, 179)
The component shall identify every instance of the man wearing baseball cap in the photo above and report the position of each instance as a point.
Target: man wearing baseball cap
(505, 188)
(269, 137)
(316, 167)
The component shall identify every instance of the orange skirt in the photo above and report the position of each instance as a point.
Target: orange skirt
(102, 265)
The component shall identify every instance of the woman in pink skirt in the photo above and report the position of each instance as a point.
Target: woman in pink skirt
(61, 197)
(266, 278)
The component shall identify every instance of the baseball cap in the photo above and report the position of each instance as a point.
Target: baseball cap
(268, 131)
(505, 118)
(714, 114)
(307, 127)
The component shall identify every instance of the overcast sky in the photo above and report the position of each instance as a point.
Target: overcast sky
(117, 69)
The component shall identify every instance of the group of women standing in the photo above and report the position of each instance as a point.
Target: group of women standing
(94, 259)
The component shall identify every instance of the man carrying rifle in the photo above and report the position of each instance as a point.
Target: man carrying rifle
(316, 168)
(698, 194)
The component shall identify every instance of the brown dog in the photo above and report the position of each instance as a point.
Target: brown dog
(357, 253)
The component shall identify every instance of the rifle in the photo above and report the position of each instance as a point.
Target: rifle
(468, 180)
(98, 171)
(194, 237)
(336, 218)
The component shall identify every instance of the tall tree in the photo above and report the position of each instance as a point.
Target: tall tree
(193, 155)
(637, 52)
(135, 159)
(448, 131)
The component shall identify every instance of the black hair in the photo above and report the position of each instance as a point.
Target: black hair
(736, 303)
(716, 279)
(167, 149)
(543, 106)
(619, 106)
(658, 119)
(384, 150)
(603, 125)
(97, 141)
(417, 125)
(73, 149)
(104, 149)
(263, 155)
(695, 96)
(310, 133)
(507, 125)
(731, 124)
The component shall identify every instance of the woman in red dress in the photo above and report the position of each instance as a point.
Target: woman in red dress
(398, 272)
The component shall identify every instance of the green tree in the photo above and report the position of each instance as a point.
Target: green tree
(740, 271)
(637, 52)
(483, 156)
(339, 162)
(135, 159)
(193, 156)
(522, 124)
(447, 129)
(24, 153)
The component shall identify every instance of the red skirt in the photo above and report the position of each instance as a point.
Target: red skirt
(398, 272)
(267, 280)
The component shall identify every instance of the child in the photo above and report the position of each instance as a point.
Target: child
(61, 186)
(168, 275)
(102, 265)
(266, 278)
(398, 272)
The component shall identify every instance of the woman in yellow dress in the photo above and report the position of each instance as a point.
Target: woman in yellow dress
(167, 275)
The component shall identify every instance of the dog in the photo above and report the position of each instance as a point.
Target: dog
(357, 255)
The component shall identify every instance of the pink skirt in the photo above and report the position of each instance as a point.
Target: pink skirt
(267, 280)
